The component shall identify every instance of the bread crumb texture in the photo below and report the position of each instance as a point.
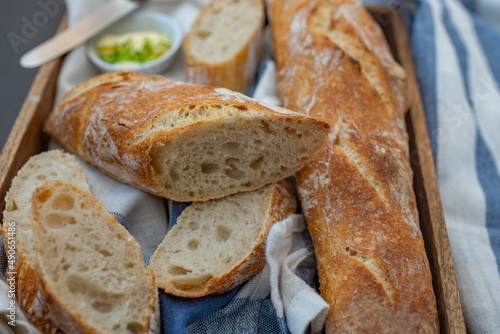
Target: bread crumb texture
(89, 265)
(45, 166)
(219, 244)
(224, 44)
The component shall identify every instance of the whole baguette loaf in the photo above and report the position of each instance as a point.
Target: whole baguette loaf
(90, 267)
(334, 63)
(219, 244)
(224, 44)
(46, 166)
(181, 141)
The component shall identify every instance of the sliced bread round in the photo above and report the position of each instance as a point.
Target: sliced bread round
(46, 166)
(90, 267)
(219, 244)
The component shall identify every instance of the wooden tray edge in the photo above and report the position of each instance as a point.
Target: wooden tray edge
(21, 142)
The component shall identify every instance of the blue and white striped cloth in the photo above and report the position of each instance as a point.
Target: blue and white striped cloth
(457, 55)
(456, 48)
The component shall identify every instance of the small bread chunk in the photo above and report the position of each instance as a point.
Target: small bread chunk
(224, 44)
(46, 166)
(90, 267)
(181, 141)
(219, 244)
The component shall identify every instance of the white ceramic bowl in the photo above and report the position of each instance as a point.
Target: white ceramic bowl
(140, 20)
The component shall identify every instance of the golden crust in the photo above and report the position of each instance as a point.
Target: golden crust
(357, 193)
(29, 294)
(236, 73)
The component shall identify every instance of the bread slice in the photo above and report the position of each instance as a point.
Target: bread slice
(180, 141)
(224, 45)
(90, 267)
(219, 244)
(46, 166)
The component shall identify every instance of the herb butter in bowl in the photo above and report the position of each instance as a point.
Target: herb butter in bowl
(145, 41)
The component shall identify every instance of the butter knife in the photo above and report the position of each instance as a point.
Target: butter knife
(84, 29)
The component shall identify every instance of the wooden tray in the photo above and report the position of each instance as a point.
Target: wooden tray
(27, 139)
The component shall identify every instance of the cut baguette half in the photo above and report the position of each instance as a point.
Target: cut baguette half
(224, 44)
(180, 141)
(90, 267)
(46, 166)
(217, 245)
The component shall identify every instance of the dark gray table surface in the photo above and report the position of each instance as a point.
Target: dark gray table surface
(23, 25)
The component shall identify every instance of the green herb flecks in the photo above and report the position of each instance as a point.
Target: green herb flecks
(125, 52)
